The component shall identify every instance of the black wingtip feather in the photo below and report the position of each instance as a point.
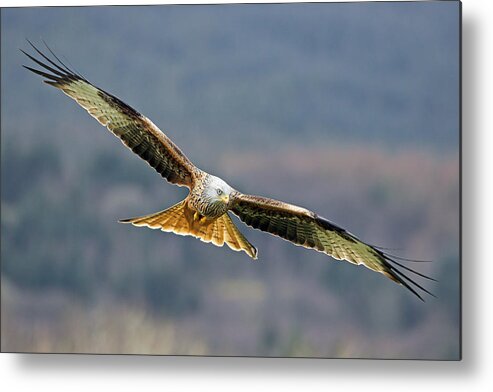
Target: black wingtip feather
(403, 258)
(69, 70)
(64, 70)
(60, 72)
(394, 273)
(403, 279)
(55, 56)
(410, 269)
(404, 276)
(127, 220)
(44, 65)
(41, 73)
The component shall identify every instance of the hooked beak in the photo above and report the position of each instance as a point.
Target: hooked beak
(225, 199)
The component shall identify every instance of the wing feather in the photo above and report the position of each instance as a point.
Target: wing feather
(305, 228)
(136, 131)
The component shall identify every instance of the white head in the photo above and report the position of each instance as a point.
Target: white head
(217, 190)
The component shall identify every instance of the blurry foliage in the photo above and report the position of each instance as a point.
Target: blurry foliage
(22, 167)
(107, 168)
(164, 291)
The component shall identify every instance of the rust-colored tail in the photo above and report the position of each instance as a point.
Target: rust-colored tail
(179, 219)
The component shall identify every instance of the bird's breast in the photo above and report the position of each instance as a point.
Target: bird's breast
(206, 207)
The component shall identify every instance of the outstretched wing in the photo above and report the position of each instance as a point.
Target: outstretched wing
(136, 131)
(305, 228)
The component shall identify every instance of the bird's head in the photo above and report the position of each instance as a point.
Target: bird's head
(217, 191)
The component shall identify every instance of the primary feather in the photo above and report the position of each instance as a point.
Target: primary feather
(136, 131)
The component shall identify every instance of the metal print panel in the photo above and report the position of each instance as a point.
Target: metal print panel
(316, 152)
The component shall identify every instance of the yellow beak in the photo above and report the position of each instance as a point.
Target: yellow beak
(225, 198)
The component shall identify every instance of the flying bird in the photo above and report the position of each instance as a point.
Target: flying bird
(204, 213)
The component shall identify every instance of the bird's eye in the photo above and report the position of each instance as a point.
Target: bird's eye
(219, 192)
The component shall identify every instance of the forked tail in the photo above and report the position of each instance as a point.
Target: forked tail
(179, 219)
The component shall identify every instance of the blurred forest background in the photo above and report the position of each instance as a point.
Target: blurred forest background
(351, 110)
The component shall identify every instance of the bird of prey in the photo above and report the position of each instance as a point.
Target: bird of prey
(204, 213)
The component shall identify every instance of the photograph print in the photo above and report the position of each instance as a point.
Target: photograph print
(276, 150)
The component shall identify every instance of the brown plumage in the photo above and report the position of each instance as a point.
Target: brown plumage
(179, 219)
(204, 212)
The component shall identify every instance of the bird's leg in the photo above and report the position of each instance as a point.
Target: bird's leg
(199, 218)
